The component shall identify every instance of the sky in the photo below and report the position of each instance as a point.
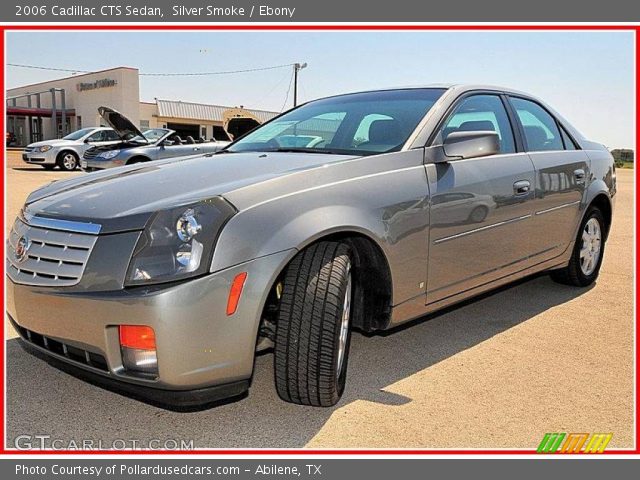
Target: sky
(587, 76)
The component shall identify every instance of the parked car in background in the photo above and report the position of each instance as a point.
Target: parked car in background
(172, 276)
(67, 151)
(135, 146)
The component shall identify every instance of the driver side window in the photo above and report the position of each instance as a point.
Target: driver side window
(96, 137)
(480, 113)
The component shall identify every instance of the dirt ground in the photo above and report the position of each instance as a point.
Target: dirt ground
(498, 372)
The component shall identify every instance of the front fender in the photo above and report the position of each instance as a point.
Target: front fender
(388, 207)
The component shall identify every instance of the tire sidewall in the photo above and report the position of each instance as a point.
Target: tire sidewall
(61, 161)
(582, 278)
(342, 377)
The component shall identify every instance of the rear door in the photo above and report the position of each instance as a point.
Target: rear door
(480, 209)
(561, 173)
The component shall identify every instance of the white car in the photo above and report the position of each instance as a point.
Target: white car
(66, 152)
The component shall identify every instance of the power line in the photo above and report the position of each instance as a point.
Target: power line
(170, 74)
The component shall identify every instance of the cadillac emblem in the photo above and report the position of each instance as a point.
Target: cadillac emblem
(22, 248)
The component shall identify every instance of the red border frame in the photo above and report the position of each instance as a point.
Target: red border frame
(302, 27)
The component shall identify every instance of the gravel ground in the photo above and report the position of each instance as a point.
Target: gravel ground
(498, 372)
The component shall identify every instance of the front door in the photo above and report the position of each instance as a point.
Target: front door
(481, 208)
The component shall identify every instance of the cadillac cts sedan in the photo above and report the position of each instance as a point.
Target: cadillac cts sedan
(163, 280)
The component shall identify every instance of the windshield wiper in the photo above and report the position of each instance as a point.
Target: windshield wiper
(219, 152)
(308, 150)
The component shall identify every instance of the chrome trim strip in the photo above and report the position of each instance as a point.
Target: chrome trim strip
(564, 205)
(64, 225)
(481, 229)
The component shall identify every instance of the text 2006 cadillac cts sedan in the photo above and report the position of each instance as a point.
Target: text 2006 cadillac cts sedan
(358, 211)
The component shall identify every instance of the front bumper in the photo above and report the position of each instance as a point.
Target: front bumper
(40, 158)
(99, 164)
(199, 347)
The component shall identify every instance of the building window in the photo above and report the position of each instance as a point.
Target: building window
(144, 124)
(78, 122)
(203, 132)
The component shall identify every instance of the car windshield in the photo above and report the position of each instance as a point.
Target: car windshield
(359, 123)
(150, 136)
(78, 134)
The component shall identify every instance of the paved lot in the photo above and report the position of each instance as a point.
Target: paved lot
(498, 372)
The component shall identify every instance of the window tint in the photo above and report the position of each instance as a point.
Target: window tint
(360, 123)
(111, 136)
(540, 128)
(480, 113)
(568, 143)
(99, 136)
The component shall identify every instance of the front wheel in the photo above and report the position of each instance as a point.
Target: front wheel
(68, 161)
(588, 251)
(313, 326)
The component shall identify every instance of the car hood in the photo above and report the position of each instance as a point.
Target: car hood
(54, 143)
(124, 198)
(121, 124)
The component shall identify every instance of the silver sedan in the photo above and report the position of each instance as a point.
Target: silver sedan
(359, 211)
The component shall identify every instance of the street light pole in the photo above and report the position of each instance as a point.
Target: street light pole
(296, 68)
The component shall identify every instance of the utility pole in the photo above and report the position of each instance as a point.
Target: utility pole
(296, 68)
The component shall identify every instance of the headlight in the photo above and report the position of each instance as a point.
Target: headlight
(109, 154)
(44, 148)
(178, 243)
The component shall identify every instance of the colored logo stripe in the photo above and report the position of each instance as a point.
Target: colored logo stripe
(574, 442)
(551, 442)
(598, 442)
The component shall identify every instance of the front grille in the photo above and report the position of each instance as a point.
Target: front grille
(90, 154)
(75, 354)
(53, 258)
(93, 152)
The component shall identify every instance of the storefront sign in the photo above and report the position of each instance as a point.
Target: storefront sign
(104, 83)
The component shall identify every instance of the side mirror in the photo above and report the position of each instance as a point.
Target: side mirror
(166, 143)
(460, 145)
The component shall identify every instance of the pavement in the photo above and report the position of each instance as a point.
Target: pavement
(496, 372)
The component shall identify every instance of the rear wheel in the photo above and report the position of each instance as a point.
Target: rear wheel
(68, 161)
(313, 326)
(588, 251)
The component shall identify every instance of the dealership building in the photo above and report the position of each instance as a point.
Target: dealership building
(52, 109)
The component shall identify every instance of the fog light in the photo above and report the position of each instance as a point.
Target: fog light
(138, 347)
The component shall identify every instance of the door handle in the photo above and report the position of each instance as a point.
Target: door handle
(196, 149)
(579, 175)
(522, 187)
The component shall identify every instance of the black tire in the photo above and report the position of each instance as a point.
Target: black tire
(68, 161)
(573, 274)
(309, 326)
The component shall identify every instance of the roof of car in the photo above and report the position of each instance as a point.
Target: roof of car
(451, 86)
